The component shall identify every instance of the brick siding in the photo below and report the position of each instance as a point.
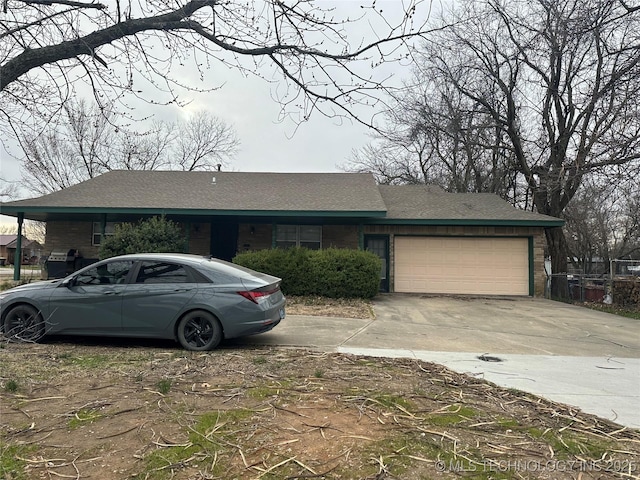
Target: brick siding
(199, 238)
(253, 237)
(62, 235)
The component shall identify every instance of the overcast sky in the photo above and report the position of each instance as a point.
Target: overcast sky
(267, 145)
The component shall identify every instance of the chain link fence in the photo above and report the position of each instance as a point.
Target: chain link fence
(620, 286)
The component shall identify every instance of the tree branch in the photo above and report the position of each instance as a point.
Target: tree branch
(70, 3)
(34, 58)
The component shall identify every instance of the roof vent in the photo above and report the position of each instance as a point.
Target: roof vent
(213, 180)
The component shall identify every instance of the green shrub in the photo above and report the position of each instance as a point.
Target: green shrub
(343, 273)
(334, 273)
(156, 234)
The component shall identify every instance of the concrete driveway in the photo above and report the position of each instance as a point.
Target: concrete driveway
(501, 325)
(569, 354)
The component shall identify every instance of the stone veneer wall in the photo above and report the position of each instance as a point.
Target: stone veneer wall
(539, 242)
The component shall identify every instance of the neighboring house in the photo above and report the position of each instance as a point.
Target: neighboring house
(430, 241)
(31, 250)
(4, 241)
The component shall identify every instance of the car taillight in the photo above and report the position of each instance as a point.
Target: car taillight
(256, 296)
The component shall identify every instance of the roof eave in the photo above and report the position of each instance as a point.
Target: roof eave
(14, 210)
(468, 222)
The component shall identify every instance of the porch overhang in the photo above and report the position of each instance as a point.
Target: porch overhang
(45, 214)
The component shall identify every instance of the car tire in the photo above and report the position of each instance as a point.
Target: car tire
(23, 323)
(199, 331)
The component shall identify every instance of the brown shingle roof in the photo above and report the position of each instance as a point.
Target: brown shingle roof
(25, 243)
(330, 194)
(421, 202)
(7, 239)
(231, 191)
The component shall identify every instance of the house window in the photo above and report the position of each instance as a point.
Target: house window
(308, 236)
(109, 230)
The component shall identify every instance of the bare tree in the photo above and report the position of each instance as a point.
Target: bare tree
(86, 141)
(603, 223)
(435, 135)
(559, 85)
(203, 141)
(50, 51)
(32, 230)
(8, 190)
(66, 152)
(148, 150)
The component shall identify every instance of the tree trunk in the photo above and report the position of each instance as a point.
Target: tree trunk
(558, 250)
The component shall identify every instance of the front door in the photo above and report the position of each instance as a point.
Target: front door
(224, 240)
(379, 244)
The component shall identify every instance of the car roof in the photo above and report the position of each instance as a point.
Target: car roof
(177, 257)
(187, 258)
(200, 261)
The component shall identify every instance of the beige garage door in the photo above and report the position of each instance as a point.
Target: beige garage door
(479, 266)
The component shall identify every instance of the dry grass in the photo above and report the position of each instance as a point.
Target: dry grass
(329, 307)
(629, 311)
(151, 411)
(148, 410)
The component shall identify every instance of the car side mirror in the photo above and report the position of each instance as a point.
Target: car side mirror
(69, 282)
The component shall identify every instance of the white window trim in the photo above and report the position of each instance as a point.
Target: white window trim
(298, 227)
(96, 232)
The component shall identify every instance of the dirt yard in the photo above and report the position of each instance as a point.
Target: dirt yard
(78, 408)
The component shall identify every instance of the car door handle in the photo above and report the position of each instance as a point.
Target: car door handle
(183, 289)
(111, 292)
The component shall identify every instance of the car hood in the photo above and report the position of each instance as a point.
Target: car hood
(29, 287)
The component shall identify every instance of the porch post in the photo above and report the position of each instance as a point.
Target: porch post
(360, 237)
(17, 258)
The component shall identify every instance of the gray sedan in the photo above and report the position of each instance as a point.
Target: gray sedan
(195, 300)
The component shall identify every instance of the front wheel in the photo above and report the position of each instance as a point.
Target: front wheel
(23, 323)
(199, 330)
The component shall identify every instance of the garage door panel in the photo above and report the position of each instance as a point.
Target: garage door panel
(464, 265)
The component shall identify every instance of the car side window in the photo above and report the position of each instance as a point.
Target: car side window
(161, 272)
(110, 273)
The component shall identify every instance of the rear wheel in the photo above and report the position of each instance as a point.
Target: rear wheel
(199, 330)
(23, 323)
